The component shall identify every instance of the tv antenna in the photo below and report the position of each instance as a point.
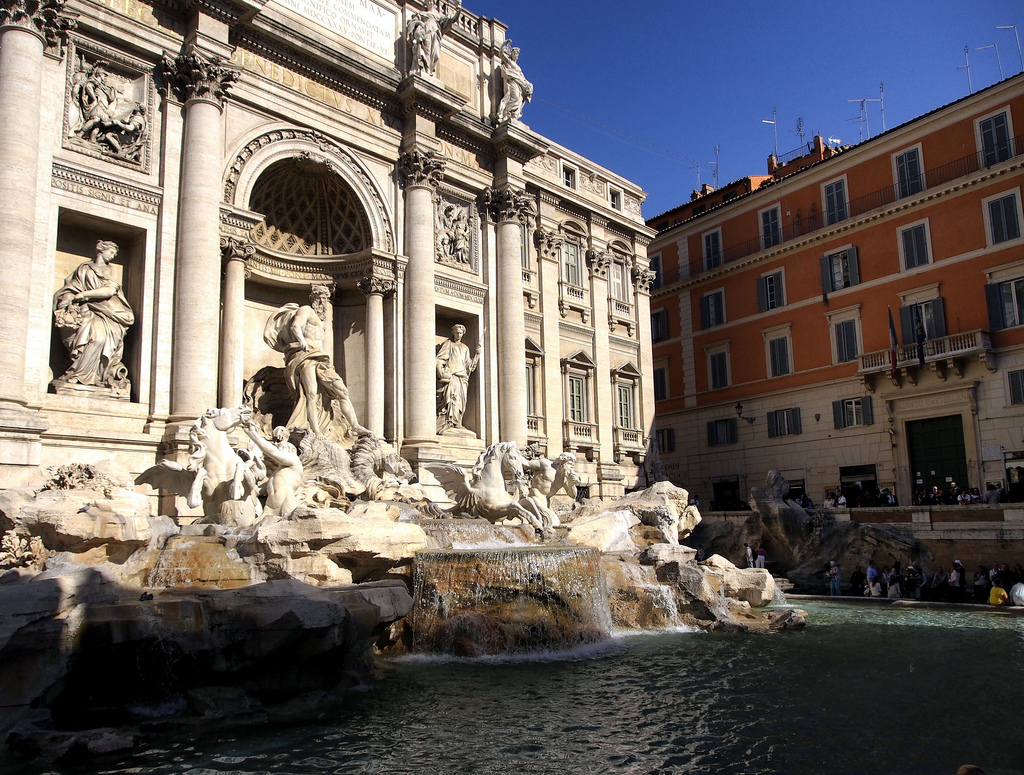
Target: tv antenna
(1017, 36)
(967, 66)
(715, 162)
(996, 47)
(865, 122)
(800, 130)
(697, 167)
(775, 126)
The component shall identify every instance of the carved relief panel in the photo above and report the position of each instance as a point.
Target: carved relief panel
(456, 225)
(108, 105)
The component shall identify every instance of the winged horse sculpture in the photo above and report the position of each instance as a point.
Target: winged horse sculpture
(482, 490)
(223, 480)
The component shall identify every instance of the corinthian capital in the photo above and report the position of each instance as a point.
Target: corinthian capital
(644, 278)
(417, 169)
(232, 248)
(45, 17)
(379, 285)
(504, 204)
(195, 76)
(548, 242)
(599, 261)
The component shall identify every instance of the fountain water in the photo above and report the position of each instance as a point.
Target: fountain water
(489, 601)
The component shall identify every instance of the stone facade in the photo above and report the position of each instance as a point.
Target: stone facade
(241, 152)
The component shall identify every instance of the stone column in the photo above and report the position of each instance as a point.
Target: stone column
(201, 82)
(511, 210)
(26, 27)
(420, 173)
(235, 253)
(375, 288)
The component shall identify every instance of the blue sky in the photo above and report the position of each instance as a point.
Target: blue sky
(649, 89)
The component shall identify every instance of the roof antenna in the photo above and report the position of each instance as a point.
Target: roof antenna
(865, 122)
(967, 66)
(996, 47)
(800, 130)
(715, 162)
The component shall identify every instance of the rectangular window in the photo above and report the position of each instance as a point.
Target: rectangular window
(718, 367)
(1005, 304)
(722, 432)
(712, 249)
(625, 406)
(577, 399)
(660, 384)
(846, 341)
(531, 389)
(995, 139)
(784, 422)
(835, 202)
(666, 439)
(659, 325)
(915, 246)
(851, 412)
(615, 198)
(1002, 214)
(909, 177)
(770, 293)
(655, 265)
(569, 177)
(1016, 387)
(930, 315)
(778, 350)
(620, 283)
(839, 270)
(771, 228)
(712, 309)
(571, 263)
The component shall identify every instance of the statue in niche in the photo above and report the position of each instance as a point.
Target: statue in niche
(454, 365)
(106, 117)
(453, 235)
(286, 481)
(92, 315)
(518, 90)
(424, 32)
(323, 404)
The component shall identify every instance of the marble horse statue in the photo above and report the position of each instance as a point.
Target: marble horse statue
(484, 490)
(223, 480)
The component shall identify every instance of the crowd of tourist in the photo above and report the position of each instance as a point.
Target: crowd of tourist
(998, 585)
(958, 496)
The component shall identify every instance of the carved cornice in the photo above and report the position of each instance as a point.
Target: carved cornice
(421, 169)
(44, 17)
(449, 286)
(234, 249)
(195, 76)
(377, 285)
(504, 204)
(548, 243)
(599, 261)
(95, 186)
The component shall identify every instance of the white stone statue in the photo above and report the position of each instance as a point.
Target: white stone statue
(453, 235)
(518, 90)
(454, 365)
(549, 478)
(424, 31)
(92, 316)
(483, 490)
(285, 481)
(217, 477)
(106, 118)
(298, 332)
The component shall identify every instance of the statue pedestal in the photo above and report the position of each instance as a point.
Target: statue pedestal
(418, 457)
(62, 388)
(21, 444)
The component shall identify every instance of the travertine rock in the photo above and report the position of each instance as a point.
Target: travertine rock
(754, 585)
(606, 531)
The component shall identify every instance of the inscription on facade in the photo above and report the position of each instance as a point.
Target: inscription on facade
(363, 22)
(143, 13)
(300, 83)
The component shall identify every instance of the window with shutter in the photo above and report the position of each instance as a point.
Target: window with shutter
(779, 352)
(909, 179)
(915, 246)
(846, 341)
(1002, 213)
(995, 139)
(835, 202)
(1016, 387)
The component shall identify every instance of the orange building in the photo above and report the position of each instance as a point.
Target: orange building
(771, 325)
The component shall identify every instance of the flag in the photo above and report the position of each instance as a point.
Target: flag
(920, 341)
(892, 345)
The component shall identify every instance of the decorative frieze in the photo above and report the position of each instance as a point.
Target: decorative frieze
(417, 168)
(194, 76)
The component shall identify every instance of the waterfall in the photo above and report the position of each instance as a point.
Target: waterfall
(512, 600)
(476, 534)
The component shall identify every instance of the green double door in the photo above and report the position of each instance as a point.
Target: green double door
(937, 457)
